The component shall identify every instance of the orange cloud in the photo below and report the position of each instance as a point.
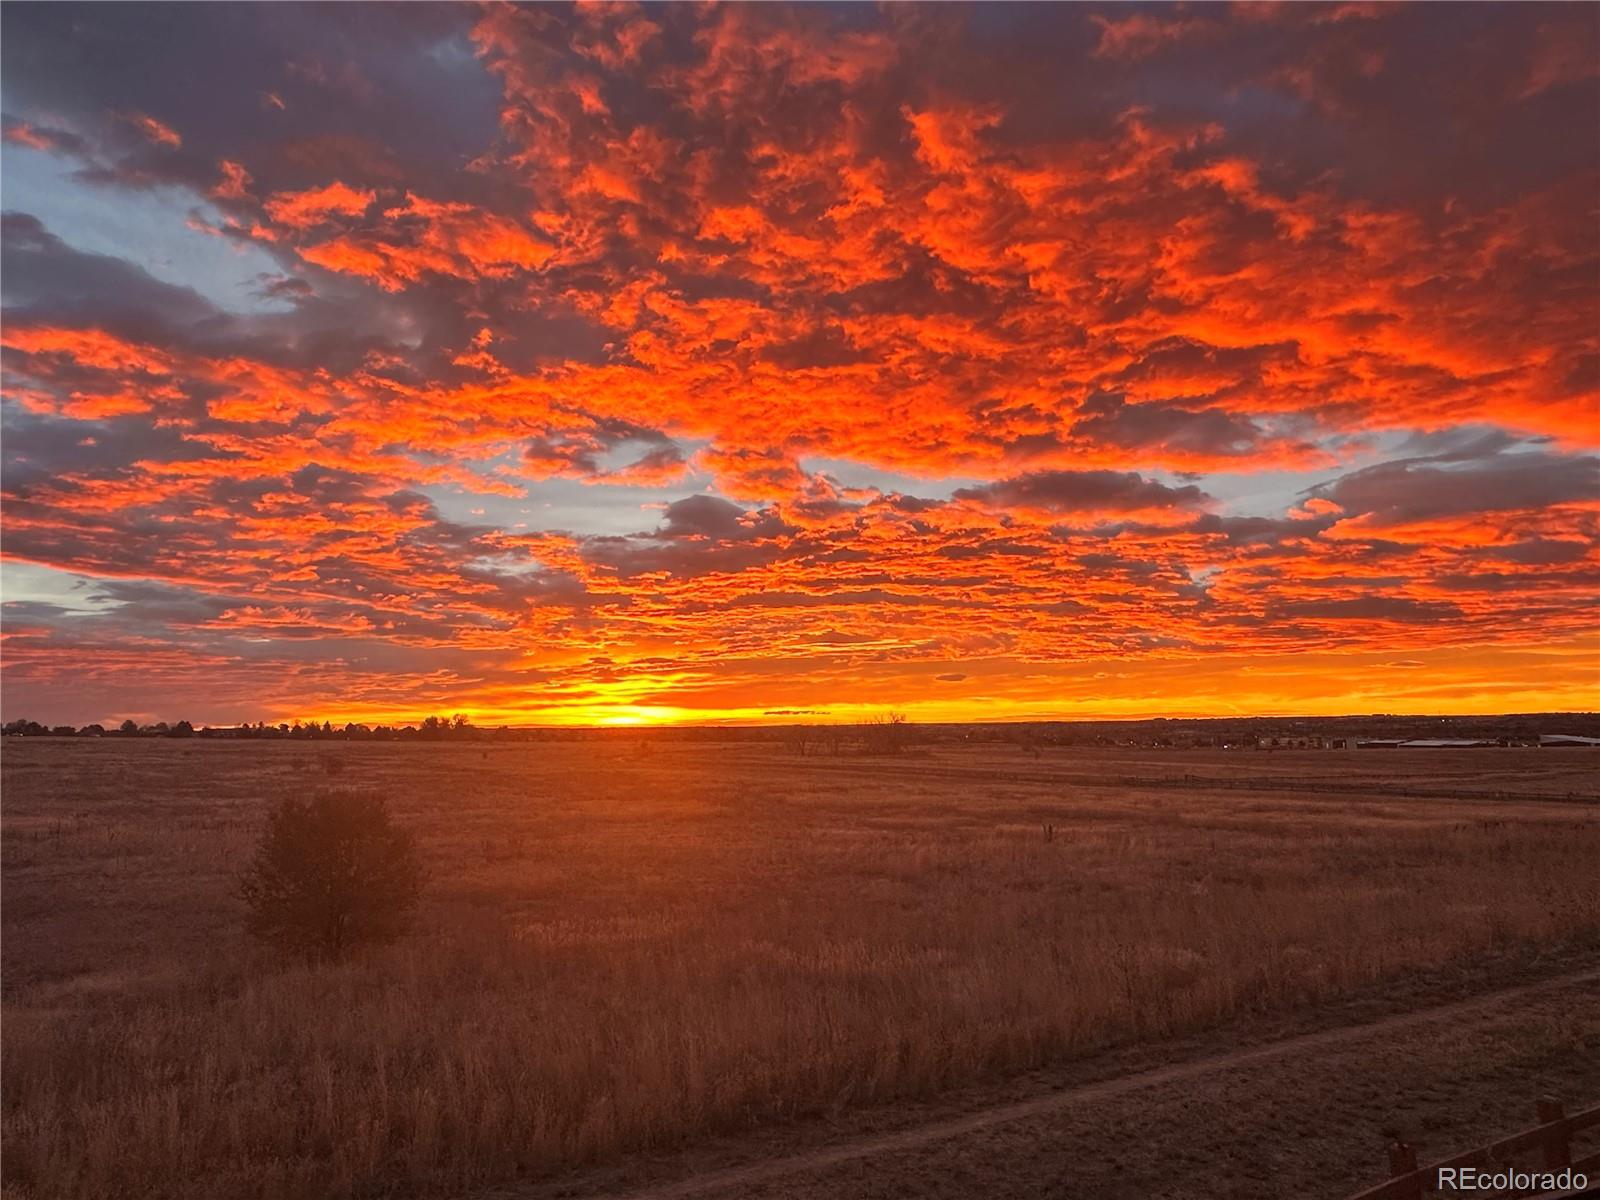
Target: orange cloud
(24, 134)
(156, 131)
(303, 210)
(424, 237)
(235, 183)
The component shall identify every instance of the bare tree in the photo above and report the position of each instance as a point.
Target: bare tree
(886, 733)
(801, 739)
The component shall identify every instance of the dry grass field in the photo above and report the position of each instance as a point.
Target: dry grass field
(630, 945)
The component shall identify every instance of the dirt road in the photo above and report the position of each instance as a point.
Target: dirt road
(1305, 1115)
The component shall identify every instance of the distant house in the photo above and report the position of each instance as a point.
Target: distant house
(1559, 740)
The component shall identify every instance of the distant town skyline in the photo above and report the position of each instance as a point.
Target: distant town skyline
(634, 365)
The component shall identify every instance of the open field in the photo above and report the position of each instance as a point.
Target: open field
(632, 945)
(1304, 1115)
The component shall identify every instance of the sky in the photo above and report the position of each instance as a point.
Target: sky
(618, 364)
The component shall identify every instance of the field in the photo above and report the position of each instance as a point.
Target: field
(632, 945)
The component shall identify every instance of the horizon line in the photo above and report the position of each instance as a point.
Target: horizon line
(747, 723)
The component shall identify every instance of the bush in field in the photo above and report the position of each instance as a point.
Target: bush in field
(330, 874)
(885, 734)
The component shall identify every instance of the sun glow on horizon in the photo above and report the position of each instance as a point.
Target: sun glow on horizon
(1463, 681)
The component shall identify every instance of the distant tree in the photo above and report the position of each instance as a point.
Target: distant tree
(65, 731)
(93, 731)
(885, 734)
(181, 729)
(329, 874)
(432, 728)
(129, 728)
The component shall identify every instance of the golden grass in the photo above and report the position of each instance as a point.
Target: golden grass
(627, 948)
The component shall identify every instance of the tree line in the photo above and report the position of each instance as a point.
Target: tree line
(430, 729)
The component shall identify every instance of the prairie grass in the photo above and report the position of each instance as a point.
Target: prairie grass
(623, 951)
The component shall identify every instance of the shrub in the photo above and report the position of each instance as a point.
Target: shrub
(885, 734)
(329, 874)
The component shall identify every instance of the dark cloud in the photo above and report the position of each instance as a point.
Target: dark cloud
(39, 449)
(579, 449)
(83, 61)
(701, 535)
(1541, 552)
(720, 520)
(1395, 609)
(1210, 432)
(1084, 491)
(1408, 102)
(1449, 485)
(704, 516)
(153, 603)
(47, 280)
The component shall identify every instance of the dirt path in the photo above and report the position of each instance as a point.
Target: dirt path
(743, 1180)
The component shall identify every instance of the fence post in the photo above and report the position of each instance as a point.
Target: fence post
(1403, 1161)
(1558, 1141)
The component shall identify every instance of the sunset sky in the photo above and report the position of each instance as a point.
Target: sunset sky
(682, 363)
